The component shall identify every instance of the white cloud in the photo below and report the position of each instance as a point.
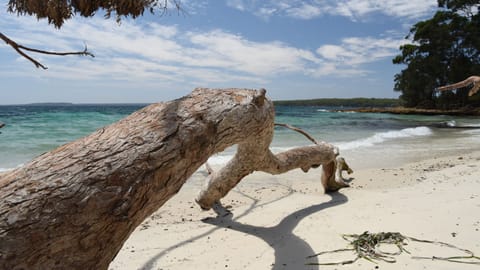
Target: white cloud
(395, 8)
(266, 12)
(352, 9)
(153, 52)
(305, 11)
(236, 53)
(334, 52)
(337, 70)
(352, 53)
(237, 4)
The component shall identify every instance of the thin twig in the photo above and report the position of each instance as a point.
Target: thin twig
(298, 130)
(17, 47)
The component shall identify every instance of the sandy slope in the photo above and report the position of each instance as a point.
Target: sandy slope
(277, 221)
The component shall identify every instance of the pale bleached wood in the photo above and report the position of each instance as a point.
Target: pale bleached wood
(74, 207)
(253, 154)
(473, 81)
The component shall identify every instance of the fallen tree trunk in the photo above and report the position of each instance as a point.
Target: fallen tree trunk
(74, 207)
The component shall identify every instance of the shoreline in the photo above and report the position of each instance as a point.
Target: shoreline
(276, 221)
(404, 110)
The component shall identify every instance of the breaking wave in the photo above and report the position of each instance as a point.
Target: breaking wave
(381, 137)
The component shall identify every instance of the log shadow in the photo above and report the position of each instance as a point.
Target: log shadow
(150, 264)
(290, 251)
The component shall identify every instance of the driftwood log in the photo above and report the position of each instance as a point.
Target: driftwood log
(473, 81)
(74, 207)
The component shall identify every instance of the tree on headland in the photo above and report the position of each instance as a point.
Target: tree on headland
(444, 49)
(57, 12)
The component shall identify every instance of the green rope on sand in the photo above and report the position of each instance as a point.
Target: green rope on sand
(366, 246)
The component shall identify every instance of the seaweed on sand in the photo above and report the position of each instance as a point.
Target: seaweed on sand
(366, 246)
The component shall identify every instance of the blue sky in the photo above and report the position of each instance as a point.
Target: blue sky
(294, 49)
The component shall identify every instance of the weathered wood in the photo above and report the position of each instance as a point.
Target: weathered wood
(473, 81)
(253, 154)
(73, 207)
(333, 182)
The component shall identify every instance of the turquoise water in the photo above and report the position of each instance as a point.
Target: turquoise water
(32, 130)
(366, 140)
(371, 140)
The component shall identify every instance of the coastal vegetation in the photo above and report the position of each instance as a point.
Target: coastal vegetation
(444, 49)
(378, 105)
(342, 102)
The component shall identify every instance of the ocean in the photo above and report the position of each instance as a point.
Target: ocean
(366, 140)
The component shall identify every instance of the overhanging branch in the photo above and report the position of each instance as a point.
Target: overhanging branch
(17, 47)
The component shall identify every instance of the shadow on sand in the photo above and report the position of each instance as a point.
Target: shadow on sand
(290, 251)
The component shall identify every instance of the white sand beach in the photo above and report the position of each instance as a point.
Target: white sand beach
(277, 221)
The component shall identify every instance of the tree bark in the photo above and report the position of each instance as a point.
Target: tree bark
(74, 207)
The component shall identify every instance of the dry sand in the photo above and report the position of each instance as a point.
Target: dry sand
(277, 221)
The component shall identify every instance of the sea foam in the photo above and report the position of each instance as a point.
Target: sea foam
(381, 137)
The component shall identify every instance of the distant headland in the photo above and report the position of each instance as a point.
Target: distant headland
(50, 104)
(473, 111)
(376, 105)
(361, 105)
(342, 102)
